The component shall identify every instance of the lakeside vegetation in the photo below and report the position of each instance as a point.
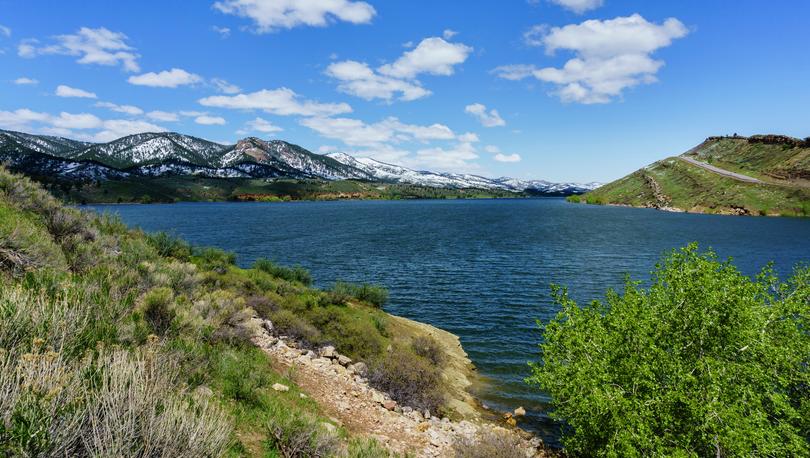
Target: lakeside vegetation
(782, 164)
(704, 362)
(200, 189)
(118, 343)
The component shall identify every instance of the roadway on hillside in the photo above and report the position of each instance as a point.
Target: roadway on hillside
(719, 171)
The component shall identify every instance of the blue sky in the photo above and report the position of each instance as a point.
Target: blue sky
(582, 90)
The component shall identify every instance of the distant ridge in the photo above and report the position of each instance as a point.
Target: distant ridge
(158, 154)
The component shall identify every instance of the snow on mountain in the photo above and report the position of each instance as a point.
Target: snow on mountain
(388, 172)
(173, 154)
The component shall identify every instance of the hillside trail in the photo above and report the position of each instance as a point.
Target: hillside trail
(723, 172)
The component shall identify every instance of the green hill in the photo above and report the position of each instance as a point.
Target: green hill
(758, 175)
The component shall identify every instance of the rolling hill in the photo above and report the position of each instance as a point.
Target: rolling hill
(757, 175)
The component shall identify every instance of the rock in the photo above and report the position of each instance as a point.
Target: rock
(280, 387)
(344, 360)
(359, 368)
(507, 415)
(435, 438)
(389, 405)
(427, 414)
(327, 351)
(520, 412)
(407, 409)
(511, 421)
(302, 395)
(377, 397)
(268, 326)
(422, 427)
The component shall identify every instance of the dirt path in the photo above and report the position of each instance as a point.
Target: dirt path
(719, 171)
(345, 396)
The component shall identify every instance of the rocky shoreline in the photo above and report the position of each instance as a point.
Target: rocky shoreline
(339, 386)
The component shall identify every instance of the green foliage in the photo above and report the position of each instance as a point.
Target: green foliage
(292, 274)
(373, 295)
(427, 347)
(300, 437)
(410, 379)
(215, 258)
(157, 309)
(170, 246)
(296, 327)
(704, 362)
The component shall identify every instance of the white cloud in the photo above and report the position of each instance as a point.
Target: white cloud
(117, 128)
(468, 137)
(487, 119)
(167, 78)
(126, 109)
(500, 157)
(610, 56)
(225, 87)
(259, 125)
(356, 78)
(93, 46)
(223, 32)
(193, 113)
(456, 158)
(355, 132)
(164, 116)
(579, 6)
(432, 56)
(23, 81)
(5, 31)
(67, 91)
(271, 15)
(206, 120)
(448, 34)
(282, 101)
(64, 124)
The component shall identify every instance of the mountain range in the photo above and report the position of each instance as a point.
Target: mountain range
(171, 154)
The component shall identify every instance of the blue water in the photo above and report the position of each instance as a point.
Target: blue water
(480, 269)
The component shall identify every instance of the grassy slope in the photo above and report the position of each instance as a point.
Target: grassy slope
(172, 189)
(97, 298)
(694, 189)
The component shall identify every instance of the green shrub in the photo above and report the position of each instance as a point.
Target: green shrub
(215, 258)
(296, 327)
(293, 274)
(489, 444)
(352, 333)
(300, 437)
(367, 448)
(705, 362)
(373, 295)
(427, 347)
(409, 379)
(170, 246)
(25, 246)
(157, 309)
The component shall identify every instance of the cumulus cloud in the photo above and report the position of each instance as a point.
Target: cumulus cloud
(272, 15)
(126, 109)
(610, 56)
(75, 125)
(259, 125)
(25, 81)
(282, 101)
(206, 120)
(433, 56)
(93, 46)
(167, 78)
(225, 87)
(164, 116)
(357, 78)
(67, 91)
(579, 6)
(355, 132)
(456, 158)
(489, 118)
(500, 157)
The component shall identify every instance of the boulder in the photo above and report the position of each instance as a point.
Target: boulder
(359, 368)
(520, 412)
(280, 387)
(389, 404)
(344, 360)
(327, 351)
(268, 326)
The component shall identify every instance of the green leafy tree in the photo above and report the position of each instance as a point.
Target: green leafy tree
(704, 362)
